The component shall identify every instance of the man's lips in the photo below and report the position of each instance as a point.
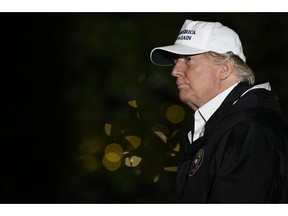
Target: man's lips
(179, 85)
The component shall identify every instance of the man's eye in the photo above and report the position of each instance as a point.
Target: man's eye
(187, 59)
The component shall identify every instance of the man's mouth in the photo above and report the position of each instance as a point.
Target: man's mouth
(181, 85)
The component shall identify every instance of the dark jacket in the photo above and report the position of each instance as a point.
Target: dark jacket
(243, 155)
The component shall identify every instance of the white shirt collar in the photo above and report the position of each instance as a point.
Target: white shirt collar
(211, 106)
(203, 114)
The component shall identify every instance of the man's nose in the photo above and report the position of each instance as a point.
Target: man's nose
(177, 70)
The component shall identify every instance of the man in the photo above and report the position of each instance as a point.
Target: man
(237, 151)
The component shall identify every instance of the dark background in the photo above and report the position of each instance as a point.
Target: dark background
(64, 76)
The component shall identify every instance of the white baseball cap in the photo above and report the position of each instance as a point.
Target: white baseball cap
(197, 37)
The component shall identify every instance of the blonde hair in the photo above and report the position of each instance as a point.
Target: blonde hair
(243, 71)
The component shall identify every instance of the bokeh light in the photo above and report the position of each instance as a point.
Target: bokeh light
(132, 161)
(161, 131)
(112, 129)
(170, 168)
(135, 141)
(114, 147)
(111, 165)
(156, 178)
(175, 113)
(112, 157)
(133, 103)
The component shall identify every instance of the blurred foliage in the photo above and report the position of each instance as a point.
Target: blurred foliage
(112, 120)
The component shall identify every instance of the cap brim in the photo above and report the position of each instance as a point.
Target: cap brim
(162, 56)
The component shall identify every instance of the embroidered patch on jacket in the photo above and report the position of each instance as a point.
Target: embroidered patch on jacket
(196, 163)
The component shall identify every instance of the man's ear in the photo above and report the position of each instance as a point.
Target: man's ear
(226, 69)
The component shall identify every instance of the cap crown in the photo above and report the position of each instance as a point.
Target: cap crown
(197, 37)
(210, 36)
